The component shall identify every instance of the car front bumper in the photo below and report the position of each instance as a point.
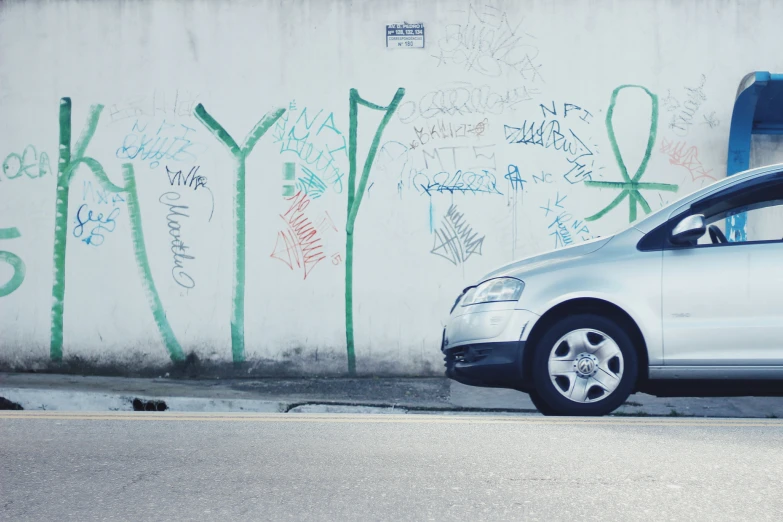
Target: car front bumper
(484, 345)
(494, 365)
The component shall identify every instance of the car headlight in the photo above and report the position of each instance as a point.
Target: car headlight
(494, 290)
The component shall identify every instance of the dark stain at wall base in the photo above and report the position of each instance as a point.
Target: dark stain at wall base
(5, 404)
(148, 405)
(295, 362)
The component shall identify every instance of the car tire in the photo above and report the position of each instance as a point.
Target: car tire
(542, 407)
(584, 365)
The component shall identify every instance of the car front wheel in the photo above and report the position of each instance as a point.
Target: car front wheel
(539, 403)
(584, 365)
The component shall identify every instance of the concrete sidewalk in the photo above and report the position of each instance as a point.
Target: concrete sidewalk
(319, 395)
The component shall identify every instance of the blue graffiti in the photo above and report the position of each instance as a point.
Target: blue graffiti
(319, 151)
(463, 182)
(564, 226)
(168, 142)
(311, 184)
(561, 233)
(578, 173)
(549, 134)
(94, 225)
(558, 200)
(100, 196)
(514, 178)
(567, 107)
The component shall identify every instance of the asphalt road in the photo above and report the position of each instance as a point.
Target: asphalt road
(163, 466)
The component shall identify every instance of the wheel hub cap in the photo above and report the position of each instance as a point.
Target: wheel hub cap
(586, 364)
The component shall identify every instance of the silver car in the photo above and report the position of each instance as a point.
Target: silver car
(667, 306)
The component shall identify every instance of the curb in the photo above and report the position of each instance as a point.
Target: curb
(302, 406)
(64, 400)
(57, 399)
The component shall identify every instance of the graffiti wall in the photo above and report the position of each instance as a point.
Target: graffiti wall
(304, 187)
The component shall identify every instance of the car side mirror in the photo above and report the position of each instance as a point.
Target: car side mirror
(689, 229)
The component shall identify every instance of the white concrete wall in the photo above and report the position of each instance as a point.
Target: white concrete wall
(485, 71)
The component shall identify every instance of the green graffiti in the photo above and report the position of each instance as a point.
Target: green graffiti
(630, 186)
(289, 179)
(28, 162)
(240, 155)
(69, 161)
(12, 259)
(140, 252)
(355, 199)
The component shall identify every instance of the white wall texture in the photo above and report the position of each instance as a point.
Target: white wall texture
(450, 156)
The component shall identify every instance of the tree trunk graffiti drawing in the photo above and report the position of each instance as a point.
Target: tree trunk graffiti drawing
(239, 154)
(355, 199)
(69, 160)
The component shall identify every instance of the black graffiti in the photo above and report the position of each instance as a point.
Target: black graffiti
(487, 43)
(178, 247)
(191, 179)
(444, 130)
(456, 240)
(683, 118)
(464, 99)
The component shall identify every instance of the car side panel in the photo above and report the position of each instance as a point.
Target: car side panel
(618, 274)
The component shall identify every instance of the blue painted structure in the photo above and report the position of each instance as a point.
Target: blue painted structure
(758, 109)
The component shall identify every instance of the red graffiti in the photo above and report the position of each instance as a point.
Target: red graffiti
(299, 243)
(688, 158)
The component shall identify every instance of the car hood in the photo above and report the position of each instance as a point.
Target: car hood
(548, 259)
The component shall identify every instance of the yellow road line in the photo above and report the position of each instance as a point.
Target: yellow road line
(382, 419)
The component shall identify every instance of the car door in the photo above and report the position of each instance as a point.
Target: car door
(722, 303)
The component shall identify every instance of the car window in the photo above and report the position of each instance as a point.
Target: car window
(762, 204)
